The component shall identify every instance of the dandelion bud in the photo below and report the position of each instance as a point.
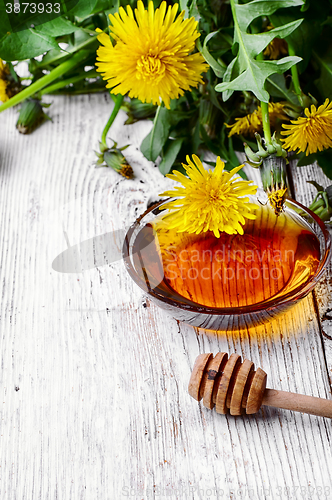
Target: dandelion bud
(325, 214)
(137, 110)
(253, 159)
(322, 203)
(31, 116)
(115, 159)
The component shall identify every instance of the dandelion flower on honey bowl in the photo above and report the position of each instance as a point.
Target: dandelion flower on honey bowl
(152, 56)
(311, 133)
(213, 201)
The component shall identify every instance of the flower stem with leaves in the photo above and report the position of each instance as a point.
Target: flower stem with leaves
(35, 87)
(117, 106)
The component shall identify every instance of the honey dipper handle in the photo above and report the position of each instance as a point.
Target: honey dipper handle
(298, 402)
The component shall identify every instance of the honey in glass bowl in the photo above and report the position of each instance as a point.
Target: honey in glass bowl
(205, 280)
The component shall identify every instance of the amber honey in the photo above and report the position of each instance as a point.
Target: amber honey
(273, 257)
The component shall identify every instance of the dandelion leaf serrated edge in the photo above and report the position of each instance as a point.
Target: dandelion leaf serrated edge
(245, 72)
(255, 44)
(246, 13)
(254, 77)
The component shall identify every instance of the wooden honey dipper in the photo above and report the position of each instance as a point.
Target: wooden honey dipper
(229, 384)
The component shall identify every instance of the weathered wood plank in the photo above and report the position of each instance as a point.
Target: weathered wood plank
(94, 376)
(305, 193)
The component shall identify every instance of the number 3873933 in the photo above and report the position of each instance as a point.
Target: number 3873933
(32, 8)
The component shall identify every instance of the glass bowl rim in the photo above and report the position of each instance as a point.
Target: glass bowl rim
(268, 304)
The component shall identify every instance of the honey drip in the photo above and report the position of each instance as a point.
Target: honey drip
(273, 257)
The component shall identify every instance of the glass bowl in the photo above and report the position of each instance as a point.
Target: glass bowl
(249, 298)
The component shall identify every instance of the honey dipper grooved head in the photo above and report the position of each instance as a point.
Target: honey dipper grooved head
(227, 383)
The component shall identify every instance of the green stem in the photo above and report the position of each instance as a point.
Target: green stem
(63, 83)
(317, 204)
(87, 90)
(65, 54)
(295, 75)
(265, 112)
(45, 80)
(266, 122)
(111, 119)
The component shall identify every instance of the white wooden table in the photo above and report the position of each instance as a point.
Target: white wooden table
(94, 376)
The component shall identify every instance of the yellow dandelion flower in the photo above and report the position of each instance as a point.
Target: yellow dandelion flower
(209, 200)
(8, 86)
(151, 58)
(3, 94)
(276, 112)
(277, 199)
(3, 68)
(311, 133)
(3, 82)
(277, 47)
(248, 125)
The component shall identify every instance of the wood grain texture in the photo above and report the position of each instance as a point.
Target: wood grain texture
(304, 192)
(94, 376)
